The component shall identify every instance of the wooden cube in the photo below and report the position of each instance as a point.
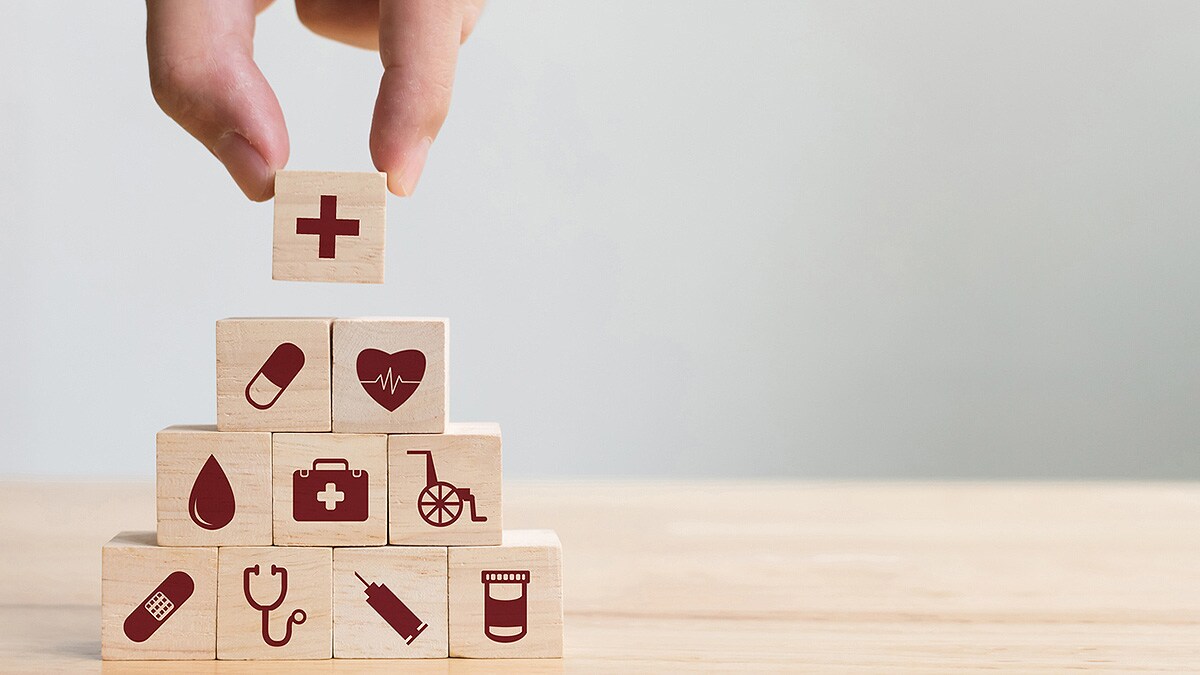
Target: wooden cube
(297, 581)
(444, 489)
(389, 603)
(330, 489)
(214, 488)
(506, 601)
(389, 375)
(157, 603)
(329, 226)
(273, 374)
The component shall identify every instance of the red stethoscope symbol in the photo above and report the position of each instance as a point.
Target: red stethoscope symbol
(298, 617)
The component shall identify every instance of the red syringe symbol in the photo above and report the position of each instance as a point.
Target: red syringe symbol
(385, 603)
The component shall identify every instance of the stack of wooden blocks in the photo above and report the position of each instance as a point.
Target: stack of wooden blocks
(332, 512)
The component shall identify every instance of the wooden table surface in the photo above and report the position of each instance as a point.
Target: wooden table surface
(664, 577)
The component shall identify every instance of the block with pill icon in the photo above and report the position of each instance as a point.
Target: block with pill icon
(506, 601)
(445, 489)
(329, 489)
(157, 603)
(273, 374)
(329, 226)
(274, 602)
(213, 488)
(390, 375)
(389, 602)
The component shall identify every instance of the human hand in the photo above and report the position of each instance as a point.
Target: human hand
(203, 75)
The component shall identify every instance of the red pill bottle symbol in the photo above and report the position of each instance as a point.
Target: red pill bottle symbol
(280, 368)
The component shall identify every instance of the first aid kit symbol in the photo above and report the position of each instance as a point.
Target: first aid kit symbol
(330, 494)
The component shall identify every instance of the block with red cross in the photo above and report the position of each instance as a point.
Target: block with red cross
(329, 226)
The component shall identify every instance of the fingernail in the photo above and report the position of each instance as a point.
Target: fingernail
(249, 170)
(405, 182)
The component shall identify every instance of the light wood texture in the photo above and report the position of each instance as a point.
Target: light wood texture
(355, 258)
(354, 409)
(309, 589)
(244, 457)
(740, 576)
(524, 571)
(133, 570)
(244, 346)
(335, 488)
(467, 461)
(413, 575)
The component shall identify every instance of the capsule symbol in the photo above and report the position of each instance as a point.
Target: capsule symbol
(280, 368)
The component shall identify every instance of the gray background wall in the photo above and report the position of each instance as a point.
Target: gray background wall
(674, 239)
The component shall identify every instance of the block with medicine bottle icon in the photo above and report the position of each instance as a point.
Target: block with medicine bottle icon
(157, 603)
(506, 601)
(273, 374)
(445, 489)
(390, 602)
(274, 602)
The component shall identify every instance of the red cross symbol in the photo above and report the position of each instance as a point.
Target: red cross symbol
(327, 227)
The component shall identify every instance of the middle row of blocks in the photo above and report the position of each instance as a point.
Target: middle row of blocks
(252, 488)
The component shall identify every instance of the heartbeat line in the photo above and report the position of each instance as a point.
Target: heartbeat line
(389, 381)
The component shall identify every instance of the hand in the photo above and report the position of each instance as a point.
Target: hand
(203, 75)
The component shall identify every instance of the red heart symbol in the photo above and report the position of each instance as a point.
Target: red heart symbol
(390, 379)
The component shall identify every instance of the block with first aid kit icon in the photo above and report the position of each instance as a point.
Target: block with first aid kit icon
(275, 602)
(157, 603)
(273, 374)
(329, 489)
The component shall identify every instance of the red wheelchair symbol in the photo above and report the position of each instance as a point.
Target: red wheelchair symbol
(440, 503)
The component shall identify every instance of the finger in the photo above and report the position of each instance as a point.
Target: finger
(354, 22)
(418, 44)
(203, 75)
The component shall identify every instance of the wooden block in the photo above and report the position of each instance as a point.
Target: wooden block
(329, 226)
(444, 489)
(214, 488)
(299, 581)
(157, 603)
(273, 374)
(506, 601)
(389, 603)
(389, 375)
(330, 489)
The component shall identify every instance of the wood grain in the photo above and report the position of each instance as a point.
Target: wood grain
(739, 576)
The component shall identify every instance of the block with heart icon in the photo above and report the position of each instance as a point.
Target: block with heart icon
(444, 489)
(390, 375)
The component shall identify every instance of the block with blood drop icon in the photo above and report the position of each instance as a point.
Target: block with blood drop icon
(273, 374)
(213, 488)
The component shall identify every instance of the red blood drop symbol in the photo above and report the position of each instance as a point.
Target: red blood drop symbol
(211, 503)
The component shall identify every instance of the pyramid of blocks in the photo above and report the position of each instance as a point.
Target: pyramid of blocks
(332, 511)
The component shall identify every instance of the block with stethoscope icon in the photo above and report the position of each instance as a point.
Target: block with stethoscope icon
(445, 489)
(274, 602)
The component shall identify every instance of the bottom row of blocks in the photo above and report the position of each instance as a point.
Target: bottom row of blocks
(273, 602)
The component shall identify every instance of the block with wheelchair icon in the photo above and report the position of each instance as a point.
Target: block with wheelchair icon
(274, 602)
(445, 489)
(273, 374)
(157, 603)
(329, 489)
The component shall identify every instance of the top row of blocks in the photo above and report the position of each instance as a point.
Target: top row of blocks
(322, 374)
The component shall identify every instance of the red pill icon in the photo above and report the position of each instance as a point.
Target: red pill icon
(159, 606)
(280, 368)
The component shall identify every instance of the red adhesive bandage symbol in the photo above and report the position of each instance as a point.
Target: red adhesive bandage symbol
(159, 606)
(505, 604)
